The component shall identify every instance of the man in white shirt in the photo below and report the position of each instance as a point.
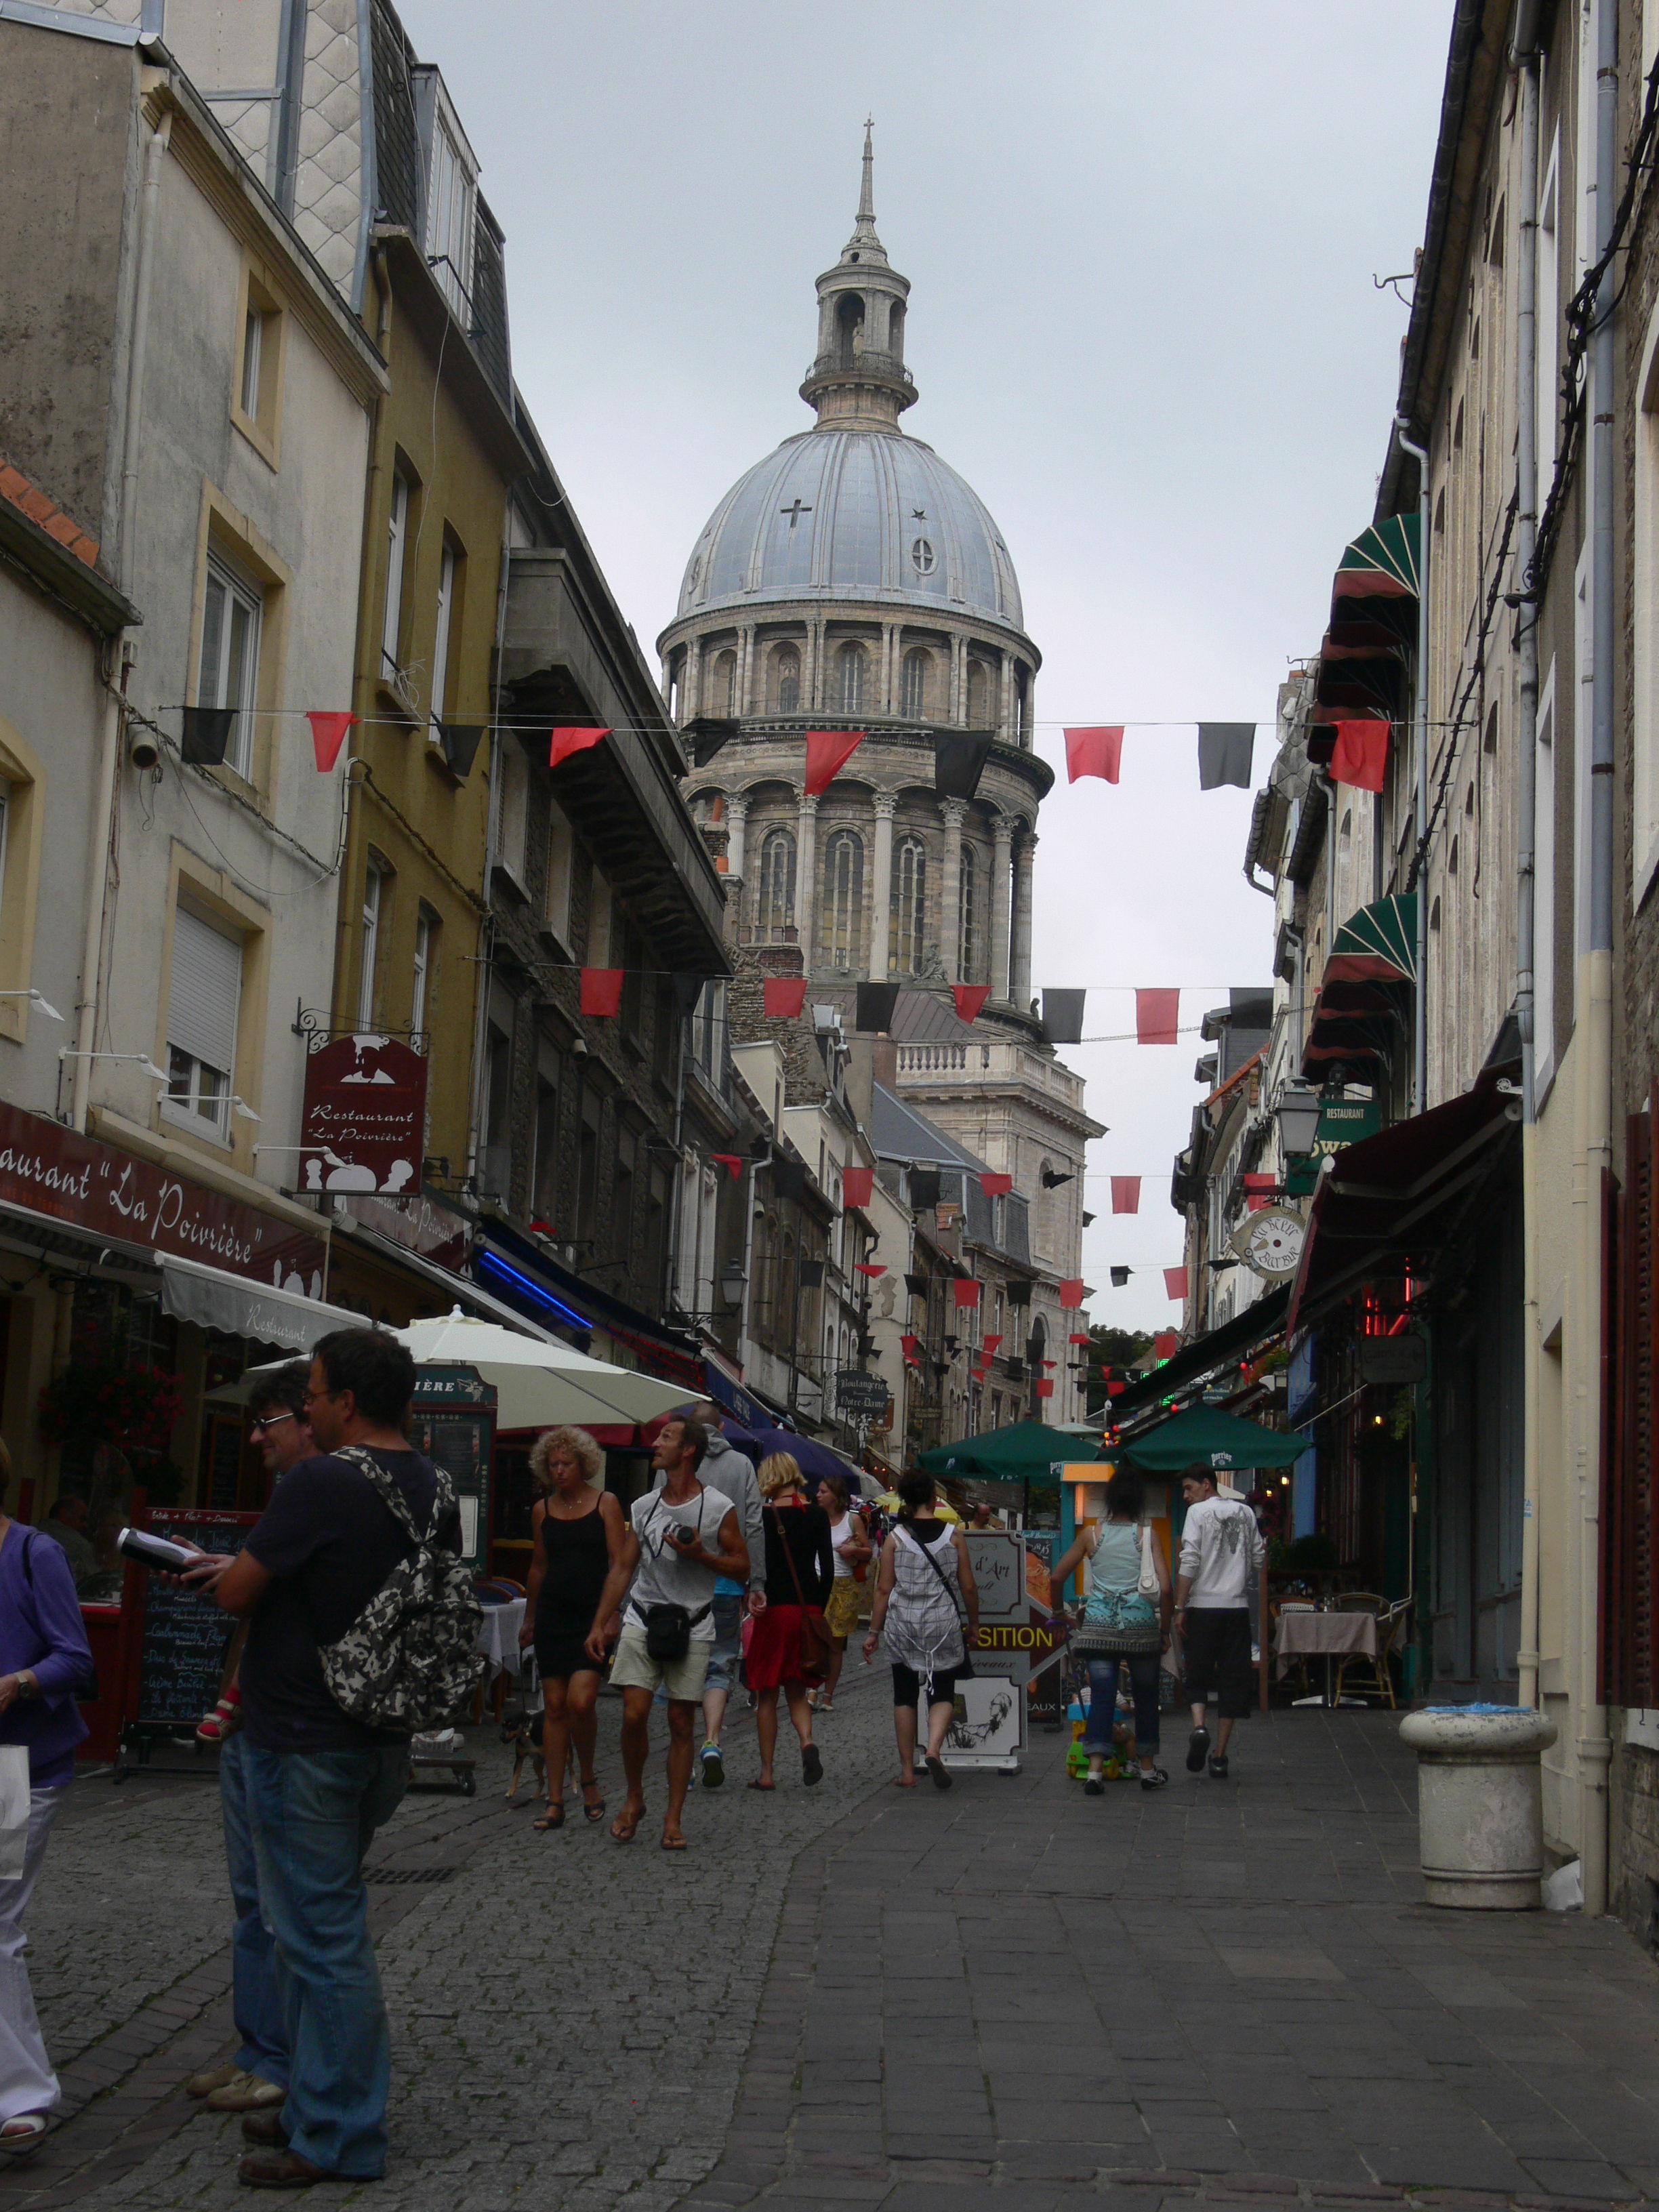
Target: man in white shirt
(1221, 1556)
(681, 1538)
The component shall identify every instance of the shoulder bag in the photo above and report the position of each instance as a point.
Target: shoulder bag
(668, 1627)
(964, 1671)
(815, 1639)
(1148, 1585)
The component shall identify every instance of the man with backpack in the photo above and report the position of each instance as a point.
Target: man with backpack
(359, 1617)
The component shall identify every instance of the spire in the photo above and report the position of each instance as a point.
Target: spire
(866, 221)
(858, 377)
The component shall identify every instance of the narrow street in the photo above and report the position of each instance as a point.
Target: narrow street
(1013, 1994)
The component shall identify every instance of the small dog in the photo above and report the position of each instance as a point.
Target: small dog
(523, 1730)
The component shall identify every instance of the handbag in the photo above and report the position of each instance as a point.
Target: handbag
(815, 1639)
(668, 1627)
(1148, 1584)
(964, 1671)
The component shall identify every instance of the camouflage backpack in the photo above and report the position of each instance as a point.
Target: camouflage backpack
(411, 1656)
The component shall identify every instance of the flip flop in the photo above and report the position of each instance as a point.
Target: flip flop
(940, 1771)
(554, 1819)
(812, 1765)
(674, 1843)
(591, 1812)
(758, 1784)
(624, 1826)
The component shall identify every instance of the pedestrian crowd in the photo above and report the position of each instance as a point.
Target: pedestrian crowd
(356, 1623)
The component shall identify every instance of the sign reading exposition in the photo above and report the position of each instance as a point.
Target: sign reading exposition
(365, 1117)
(50, 1170)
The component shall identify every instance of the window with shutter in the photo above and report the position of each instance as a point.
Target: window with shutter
(204, 998)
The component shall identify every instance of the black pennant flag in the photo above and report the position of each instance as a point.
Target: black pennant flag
(959, 762)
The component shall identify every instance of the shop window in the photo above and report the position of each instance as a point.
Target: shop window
(203, 1000)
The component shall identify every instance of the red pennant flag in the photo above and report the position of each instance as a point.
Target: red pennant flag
(546, 1228)
(969, 998)
(1360, 756)
(1115, 1389)
(988, 1344)
(865, 1267)
(1157, 1015)
(327, 736)
(566, 742)
(1175, 1282)
(1045, 1388)
(967, 1292)
(602, 990)
(857, 1186)
(731, 1162)
(1071, 1293)
(910, 1346)
(1094, 752)
(996, 1186)
(1166, 1344)
(784, 997)
(1126, 1193)
(1259, 1192)
(1083, 1338)
(828, 752)
(1051, 1363)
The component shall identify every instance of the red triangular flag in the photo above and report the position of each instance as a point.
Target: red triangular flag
(988, 1345)
(327, 736)
(967, 1292)
(857, 1186)
(828, 752)
(910, 1346)
(1126, 1193)
(546, 1228)
(1045, 1388)
(1094, 752)
(969, 998)
(1157, 1015)
(1083, 1338)
(865, 1267)
(996, 1186)
(566, 742)
(1071, 1293)
(1175, 1282)
(1115, 1389)
(731, 1162)
(1166, 1344)
(784, 997)
(1051, 1363)
(602, 990)
(1259, 1191)
(1360, 756)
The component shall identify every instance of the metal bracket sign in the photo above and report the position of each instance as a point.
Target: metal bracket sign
(865, 1396)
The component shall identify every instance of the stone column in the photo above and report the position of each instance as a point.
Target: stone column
(1006, 730)
(691, 704)
(812, 674)
(881, 887)
(736, 815)
(950, 904)
(1019, 962)
(806, 874)
(745, 668)
(889, 653)
(1001, 870)
(958, 680)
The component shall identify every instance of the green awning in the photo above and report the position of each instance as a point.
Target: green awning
(1379, 945)
(1025, 1452)
(1203, 1437)
(1363, 1001)
(1382, 561)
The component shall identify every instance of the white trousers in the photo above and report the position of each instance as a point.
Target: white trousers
(28, 2083)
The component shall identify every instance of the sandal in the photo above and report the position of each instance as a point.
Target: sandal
(937, 1768)
(22, 2134)
(758, 1784)
(622, 1827)
(553, 1819)
(674, 1843)
(591, 1812)
(812, 1765)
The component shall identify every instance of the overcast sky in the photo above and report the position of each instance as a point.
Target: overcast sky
(1141, 241)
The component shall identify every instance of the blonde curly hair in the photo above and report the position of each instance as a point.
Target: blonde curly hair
(779, 1470)
(580, 1446)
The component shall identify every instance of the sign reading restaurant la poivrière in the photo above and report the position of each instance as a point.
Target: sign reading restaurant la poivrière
(50, 1170)
(365, 1117)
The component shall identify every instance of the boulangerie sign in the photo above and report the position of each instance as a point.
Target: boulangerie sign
(365, 1117)
(51, 1170)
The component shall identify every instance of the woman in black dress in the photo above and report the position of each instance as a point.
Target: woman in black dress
(577, 1531)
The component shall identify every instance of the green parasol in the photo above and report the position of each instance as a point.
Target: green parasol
(1203, 1437)
(1027, 1452)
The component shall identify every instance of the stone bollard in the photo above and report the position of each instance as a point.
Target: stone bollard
(1480, 1812)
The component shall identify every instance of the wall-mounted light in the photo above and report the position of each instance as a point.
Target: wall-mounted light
(1298, 1111)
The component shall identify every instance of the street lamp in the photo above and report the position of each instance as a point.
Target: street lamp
(1298, 1110)
(731, 1282)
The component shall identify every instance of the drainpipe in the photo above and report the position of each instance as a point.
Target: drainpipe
(744, 1346)
(109, 749)
(1420, 1027)
(1523, 56)
(1592, 1746)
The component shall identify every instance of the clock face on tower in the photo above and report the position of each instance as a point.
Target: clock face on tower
(1270, 1241)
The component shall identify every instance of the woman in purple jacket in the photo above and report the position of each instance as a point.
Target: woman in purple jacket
(42, 1655)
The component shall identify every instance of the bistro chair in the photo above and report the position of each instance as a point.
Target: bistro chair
(1390, 1634)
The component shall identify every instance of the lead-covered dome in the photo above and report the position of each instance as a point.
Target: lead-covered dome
(853, 513)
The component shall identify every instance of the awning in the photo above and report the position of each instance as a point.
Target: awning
(1373, 627)
(1202, 1436)
(1365, 993)
(1024, 1451)
(1377, 944)
(458, 1288)
(1230, 1342)
(214, 1299)
(1391, 1201)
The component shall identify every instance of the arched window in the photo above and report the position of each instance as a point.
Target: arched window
(979, 695)
(787, 673)
(910, 904)
(968, 932)
(777, 887)
(724, 691)
(912, 685)
(852, 661)
(849, 329)
(843, 901)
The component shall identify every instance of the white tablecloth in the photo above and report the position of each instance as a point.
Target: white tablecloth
(1325, 1636)
(498, 1636)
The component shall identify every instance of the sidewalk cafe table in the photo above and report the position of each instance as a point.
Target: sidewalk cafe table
(1329, 1636)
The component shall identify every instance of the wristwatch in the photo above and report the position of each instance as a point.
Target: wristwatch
(28, 1683)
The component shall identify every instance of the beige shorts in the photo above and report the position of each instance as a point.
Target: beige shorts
(679, 1680)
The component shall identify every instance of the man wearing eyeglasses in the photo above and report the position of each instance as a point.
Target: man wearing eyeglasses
(280, 1431)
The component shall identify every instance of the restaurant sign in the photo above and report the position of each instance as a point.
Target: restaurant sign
(51, 1170)
(365, 1115)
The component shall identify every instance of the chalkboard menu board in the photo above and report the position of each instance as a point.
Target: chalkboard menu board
(453, 1423)
(181, 1652)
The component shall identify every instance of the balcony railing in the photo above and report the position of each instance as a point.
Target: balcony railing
(876, 367)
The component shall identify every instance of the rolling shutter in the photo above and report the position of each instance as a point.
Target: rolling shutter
(206, 988)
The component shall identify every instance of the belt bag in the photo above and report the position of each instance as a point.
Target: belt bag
(668, 1630)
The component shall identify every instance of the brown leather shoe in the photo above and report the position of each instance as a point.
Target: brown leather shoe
(280, 2169)
(265, 2128)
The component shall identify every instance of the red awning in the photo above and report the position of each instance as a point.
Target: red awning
(1390, 1200)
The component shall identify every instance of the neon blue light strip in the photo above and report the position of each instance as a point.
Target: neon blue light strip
(490, 1265)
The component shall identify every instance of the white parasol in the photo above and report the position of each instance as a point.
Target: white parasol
(539, 1382)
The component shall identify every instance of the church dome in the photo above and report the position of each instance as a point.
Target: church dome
(856, 514)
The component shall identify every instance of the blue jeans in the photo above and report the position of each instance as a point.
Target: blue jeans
(313, 1815)
(254, 1996)
(1103, 1699)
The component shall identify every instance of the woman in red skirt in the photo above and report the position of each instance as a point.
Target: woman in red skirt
(799, 1569)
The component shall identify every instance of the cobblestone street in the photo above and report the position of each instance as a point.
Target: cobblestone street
(1226, 1993)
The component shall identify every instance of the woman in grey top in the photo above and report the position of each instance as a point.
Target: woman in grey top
(927, 1612)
